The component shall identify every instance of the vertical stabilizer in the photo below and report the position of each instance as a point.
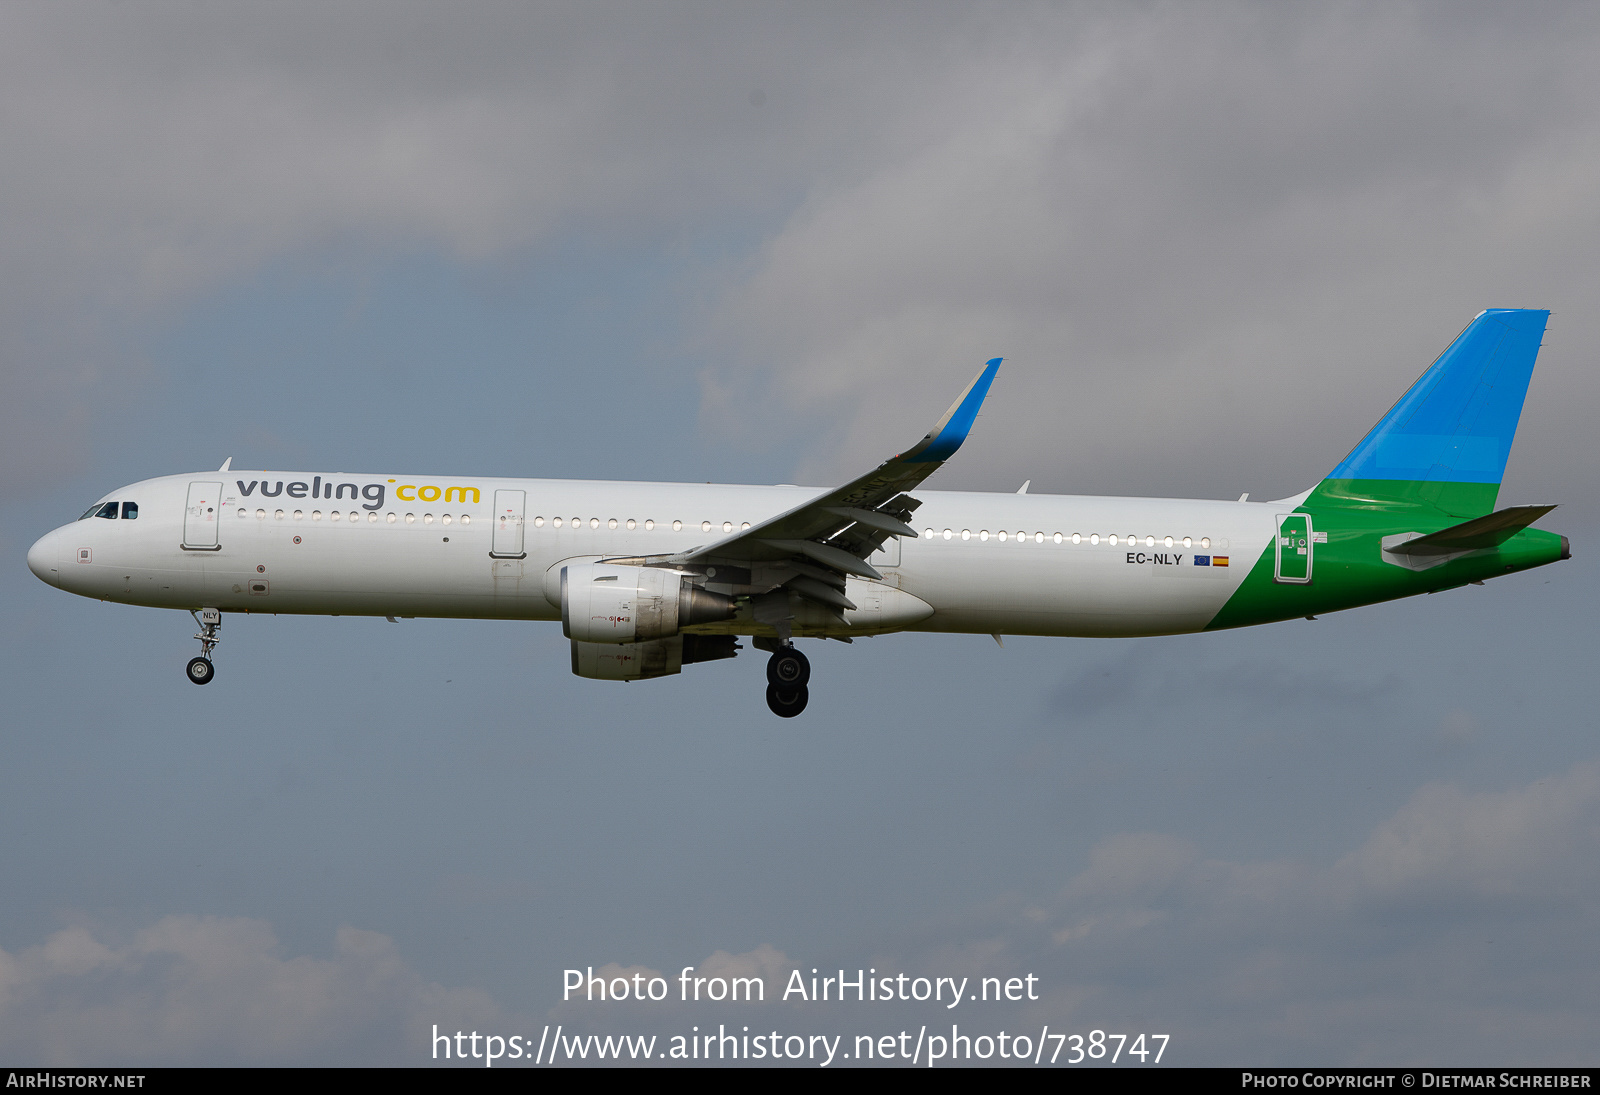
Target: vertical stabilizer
(1445, 443)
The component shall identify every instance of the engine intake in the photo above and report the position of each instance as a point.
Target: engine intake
(630, 604)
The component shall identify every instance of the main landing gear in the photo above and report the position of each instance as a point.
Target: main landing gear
(788, 672)
(200, 670)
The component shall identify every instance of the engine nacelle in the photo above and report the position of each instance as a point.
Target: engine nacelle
(642, 661)
(629, 604)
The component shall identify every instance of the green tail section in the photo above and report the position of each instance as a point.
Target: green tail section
(1435, 461)
(1451, 500)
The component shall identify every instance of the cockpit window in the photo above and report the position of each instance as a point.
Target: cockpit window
(130, 510)
(108, 511)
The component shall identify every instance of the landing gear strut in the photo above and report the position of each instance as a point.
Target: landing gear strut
(200, 670)
(788, 672)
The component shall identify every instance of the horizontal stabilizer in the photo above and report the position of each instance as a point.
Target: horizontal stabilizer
(1480, 532)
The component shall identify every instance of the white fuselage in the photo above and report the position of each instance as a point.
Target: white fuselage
(1019, 564)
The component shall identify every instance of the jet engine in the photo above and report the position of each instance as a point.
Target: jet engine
(642, 661)
(631, 604)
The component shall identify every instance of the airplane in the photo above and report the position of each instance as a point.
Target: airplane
(647, 578)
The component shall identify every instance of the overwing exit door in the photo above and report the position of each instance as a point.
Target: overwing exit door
(888, 555)
(508, 513)
(1293, 563)
(200, 519)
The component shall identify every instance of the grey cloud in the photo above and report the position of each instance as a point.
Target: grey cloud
(1212, 240)
(1206, 237)
(156, 152)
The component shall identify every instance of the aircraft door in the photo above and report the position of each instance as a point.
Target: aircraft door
(202, 516)
(508, 514)
(1293, 559)
(888, 555)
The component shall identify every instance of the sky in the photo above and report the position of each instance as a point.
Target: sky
(769, 243)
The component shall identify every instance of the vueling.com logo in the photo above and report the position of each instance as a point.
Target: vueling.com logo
(370, 494)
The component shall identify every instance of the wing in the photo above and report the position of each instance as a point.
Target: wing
(811, 548)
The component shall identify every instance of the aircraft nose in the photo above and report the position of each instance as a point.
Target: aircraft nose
(44, 558)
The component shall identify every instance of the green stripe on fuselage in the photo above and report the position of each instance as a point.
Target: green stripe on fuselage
(1351, 569)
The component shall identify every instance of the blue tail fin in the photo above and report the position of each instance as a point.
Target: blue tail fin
(1446, 441)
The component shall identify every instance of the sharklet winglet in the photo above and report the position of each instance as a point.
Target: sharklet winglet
(950, 431)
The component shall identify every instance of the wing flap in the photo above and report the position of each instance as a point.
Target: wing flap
(821, 593)
(873, 519)
(828, 556)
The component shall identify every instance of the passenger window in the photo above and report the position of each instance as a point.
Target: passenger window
(108, 511)
(130, 510)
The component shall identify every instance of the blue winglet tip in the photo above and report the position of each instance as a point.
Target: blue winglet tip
(952, 430)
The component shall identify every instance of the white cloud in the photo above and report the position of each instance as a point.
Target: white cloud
(192, 990)
(766, 962)
(1448, 845)
(1460, 930)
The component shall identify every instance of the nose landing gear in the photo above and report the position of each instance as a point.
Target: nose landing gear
(200, 670)
(788, 672)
